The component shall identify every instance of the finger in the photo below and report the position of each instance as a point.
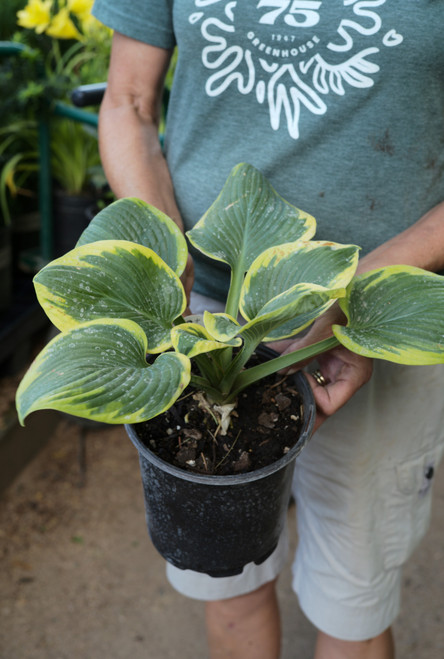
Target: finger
(332, 395)
(318, 394)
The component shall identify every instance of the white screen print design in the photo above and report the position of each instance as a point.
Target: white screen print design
(278, 57)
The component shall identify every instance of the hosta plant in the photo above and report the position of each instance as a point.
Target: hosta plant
(124, 351)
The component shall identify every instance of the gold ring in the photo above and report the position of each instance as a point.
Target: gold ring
(319, 378)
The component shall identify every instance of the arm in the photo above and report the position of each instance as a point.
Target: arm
(129, 125)
(421, 245)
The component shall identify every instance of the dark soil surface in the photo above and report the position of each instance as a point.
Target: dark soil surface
(263, 427)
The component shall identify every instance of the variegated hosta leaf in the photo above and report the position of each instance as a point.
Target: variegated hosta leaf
(112, 279)
(279, 268)
(395, 313)
(290, 312)
(247, 217)
(136, 221)
(270, 284)
(98, 371)
(221, 326)
(192, 339)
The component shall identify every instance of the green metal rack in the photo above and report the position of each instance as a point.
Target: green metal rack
(8, 49)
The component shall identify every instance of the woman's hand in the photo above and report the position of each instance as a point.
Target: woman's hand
(344, 371)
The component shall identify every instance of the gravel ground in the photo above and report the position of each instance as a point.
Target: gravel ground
(81, 579)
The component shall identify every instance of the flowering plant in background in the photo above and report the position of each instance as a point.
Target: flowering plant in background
(66, 46)
(64, 19)
(60, 46)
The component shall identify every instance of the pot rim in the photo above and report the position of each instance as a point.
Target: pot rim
(235, 479)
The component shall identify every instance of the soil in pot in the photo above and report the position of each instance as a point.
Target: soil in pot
(264, 426)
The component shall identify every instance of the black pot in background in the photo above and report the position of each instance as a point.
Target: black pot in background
(25, 239)
(218, 524)
(71, 216)
(5, 267)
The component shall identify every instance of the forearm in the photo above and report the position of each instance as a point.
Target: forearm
(421, 245)
(132, 158)
(129, 125)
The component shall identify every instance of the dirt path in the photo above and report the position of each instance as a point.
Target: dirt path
(80, 579)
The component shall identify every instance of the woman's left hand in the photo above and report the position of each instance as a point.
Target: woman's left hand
(344, 371)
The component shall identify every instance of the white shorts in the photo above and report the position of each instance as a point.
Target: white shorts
(363, 491)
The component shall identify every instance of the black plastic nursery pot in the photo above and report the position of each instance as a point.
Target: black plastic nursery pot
(219, 524)
(71, 217)
(25, 239)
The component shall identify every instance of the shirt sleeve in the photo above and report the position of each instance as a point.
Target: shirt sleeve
(150, 21)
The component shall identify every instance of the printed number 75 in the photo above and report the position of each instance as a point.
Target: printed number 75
(301, 13)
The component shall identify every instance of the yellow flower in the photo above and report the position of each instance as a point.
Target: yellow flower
(36, 15)
(81, 8)
(62, 27)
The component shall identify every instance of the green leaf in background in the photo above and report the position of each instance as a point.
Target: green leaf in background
(135, 220)
(247, 217)
(99, 371)
(112, 279)
(74, 154)
(395, 313)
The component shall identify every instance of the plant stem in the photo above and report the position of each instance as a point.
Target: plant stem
(237, 279)
(208, 368)
(232, 308)
(202, 383)
(255, 373)
(236, 366)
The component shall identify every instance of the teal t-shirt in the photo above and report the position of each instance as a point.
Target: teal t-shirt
(340, 103)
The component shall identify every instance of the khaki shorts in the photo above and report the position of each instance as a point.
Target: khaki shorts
(363, 491)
